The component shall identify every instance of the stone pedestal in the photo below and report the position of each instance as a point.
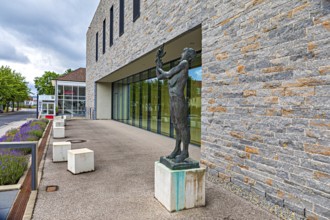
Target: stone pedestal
(60, 151)
(80, 160)
(179, 189)
(58, 132)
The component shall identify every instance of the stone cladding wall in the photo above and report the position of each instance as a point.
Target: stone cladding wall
(159, 22)
(265, 89)
(266, 99)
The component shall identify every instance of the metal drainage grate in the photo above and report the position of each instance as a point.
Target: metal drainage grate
(51, 188)
(76, 141)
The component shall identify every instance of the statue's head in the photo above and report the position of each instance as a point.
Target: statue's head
(188, 54)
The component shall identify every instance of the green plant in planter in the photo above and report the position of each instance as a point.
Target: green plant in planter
(12, 166)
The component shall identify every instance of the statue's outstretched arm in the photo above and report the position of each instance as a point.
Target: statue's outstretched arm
(161, 74)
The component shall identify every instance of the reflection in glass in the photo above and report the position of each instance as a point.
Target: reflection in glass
(143, 101)
(153, 104)
(195, 104)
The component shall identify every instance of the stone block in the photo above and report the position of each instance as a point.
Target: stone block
(60, 151)
(59, 123)
(179, 189)
(80, 160)
(58, 132)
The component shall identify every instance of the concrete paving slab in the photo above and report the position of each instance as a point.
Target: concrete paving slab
(122, 185)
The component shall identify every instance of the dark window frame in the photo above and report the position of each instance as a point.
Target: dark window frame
(104, 37)
(111, 26)
(97, 46)
(136, 10)
(121, 17)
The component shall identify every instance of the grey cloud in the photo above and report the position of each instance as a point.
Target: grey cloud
(55, 26)
(9, 53)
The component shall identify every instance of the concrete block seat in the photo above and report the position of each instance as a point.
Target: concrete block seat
(80, 160)
(58, 132)
(60, 151)
(179, 189)
(59, 123)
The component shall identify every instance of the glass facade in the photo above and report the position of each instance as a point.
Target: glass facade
(143, 101)
(71, 100)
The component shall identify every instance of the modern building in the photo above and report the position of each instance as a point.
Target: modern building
(46, 106)
(258, 90)
(70, 93)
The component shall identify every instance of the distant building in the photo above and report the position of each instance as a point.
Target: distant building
(32, 101)
(46, 106)
(70, 93)
(258, 93)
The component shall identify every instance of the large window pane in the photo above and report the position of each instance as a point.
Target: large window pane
(195, 104)
(50, 108)
(68, 107)
(60, 106)
(153, 103)
(60, 90)
(115, 101)
(144, 101)
(120, 101)
(81, 91)
(131, 100)
(125, 100)
(165, 106)
(137, 104)
(75, 92)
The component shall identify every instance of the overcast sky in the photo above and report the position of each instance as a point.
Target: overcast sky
(44, 35)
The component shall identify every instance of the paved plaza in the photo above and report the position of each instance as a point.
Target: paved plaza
(122, 185)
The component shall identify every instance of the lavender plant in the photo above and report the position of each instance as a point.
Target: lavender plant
(12, 166)
(13, 162)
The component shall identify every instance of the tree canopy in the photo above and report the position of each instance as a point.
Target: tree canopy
(44, 85)
(13, 87)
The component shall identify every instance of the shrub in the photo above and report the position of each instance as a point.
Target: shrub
(12, 166)
(37, 133)
(12, 132)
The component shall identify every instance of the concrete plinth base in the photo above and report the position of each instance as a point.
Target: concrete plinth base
(60, 151)
(80, 160)
(179, 189)
(58, 132)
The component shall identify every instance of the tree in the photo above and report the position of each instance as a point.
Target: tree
(67, 71)
(44, 85)
(13, 87)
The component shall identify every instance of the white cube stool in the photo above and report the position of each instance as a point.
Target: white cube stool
(80, 160)
(59, 123)
(58, 132)
(60, 151)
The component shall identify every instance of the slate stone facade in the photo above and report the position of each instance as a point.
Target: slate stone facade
(265, 91)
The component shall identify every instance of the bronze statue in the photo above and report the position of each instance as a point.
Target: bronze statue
(177, 80)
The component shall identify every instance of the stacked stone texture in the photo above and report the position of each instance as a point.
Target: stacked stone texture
(265, 99)
(265, 90)
(159, 22)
